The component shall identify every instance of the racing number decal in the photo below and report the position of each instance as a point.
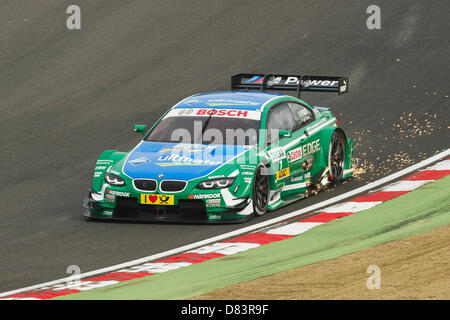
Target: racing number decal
(159, 199)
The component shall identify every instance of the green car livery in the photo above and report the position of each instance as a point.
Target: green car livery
(226, 156)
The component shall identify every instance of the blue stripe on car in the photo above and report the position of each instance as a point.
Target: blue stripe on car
(177, 161)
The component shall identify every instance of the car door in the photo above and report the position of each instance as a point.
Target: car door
(279, 118)
(301, 154)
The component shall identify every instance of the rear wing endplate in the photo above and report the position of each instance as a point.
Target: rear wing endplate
(282, 82)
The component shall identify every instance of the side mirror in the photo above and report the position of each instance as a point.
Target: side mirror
(284, 133)
(140, 128)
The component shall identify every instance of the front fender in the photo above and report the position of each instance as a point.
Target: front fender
(106, 160)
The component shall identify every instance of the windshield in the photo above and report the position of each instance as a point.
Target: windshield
(209, 129)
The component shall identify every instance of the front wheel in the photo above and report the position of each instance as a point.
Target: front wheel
(261, 189)
(336, 157)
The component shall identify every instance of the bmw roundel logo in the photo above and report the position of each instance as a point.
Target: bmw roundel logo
(160, 176)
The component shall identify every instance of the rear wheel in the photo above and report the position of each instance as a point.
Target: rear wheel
(260, 194)
(336, 157)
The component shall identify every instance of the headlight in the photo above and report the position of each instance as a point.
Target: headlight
(114, 180)
(216, 183)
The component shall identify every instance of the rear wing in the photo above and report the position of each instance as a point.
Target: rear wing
(282, 82)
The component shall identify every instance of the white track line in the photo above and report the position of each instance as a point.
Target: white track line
(257, 226)
(351, 206)
(156, 267)
(294, 229)
(406, 185)
(444, 165)
(225, 248)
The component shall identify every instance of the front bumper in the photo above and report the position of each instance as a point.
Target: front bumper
(186, 211)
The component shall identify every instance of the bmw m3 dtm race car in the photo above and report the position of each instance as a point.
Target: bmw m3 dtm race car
(226, 156)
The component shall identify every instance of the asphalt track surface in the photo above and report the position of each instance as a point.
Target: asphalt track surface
(65, 96)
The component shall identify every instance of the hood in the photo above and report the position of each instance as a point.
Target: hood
(178, 161)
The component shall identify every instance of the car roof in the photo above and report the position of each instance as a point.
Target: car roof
(228, 99)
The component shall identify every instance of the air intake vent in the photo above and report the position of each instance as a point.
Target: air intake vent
(145, 184)
(172, 185)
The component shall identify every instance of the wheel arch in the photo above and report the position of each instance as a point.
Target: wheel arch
(263, 164)
(326, 135)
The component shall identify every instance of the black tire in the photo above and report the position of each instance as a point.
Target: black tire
(336, 157)
(260, 192)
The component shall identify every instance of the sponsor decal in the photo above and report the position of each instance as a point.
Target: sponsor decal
(297, 178)
(274, 80)
(186, 147)
(107, 212)
(304, 115)
(214, 217)
(117, 193)
(192, 101)
(277, 154)
(104, 162)
(193, 146)
(315, 83)
(212, 203)
(247, 173)
(181, 160)
(138, 161)
(178, 150)
(247, 180)
(97, 174)
(292, 81)
(159, 199)
(304, 151)
(100, 168)
(231, 102)
(216, 112)
(205, 196)
(294, 154)
(283, 173)
(110, 198)
(185, 112)
(305, 118)
(311, 148)
(223, 113)
(247, 167)
(255, 79)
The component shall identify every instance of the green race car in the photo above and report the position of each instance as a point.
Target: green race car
(226, 156)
